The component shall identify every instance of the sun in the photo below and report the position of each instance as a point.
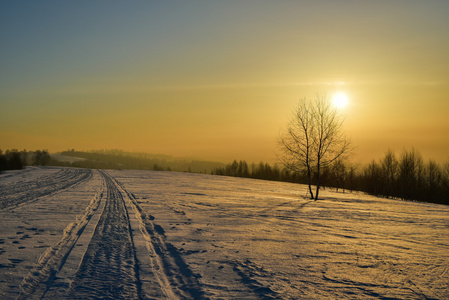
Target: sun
(340, 100)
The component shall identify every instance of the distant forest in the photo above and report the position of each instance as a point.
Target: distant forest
(103, 159)
(16, 160)
(406, 176)
(117, 159)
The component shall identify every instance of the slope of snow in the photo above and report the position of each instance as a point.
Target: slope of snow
(251, 238)
(202, 236)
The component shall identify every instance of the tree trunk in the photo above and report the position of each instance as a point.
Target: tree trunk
(317, 182)
(309, 177)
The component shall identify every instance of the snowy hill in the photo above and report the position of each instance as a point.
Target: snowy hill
(80, 233)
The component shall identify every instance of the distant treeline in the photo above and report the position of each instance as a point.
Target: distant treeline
(117, 159)
(15, 160)
(258, 171)
(406, 177)
(335, 176)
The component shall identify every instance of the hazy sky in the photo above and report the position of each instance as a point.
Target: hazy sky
(218, 79)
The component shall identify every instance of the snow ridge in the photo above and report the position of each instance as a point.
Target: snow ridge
(248, 272)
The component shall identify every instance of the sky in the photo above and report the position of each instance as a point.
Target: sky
(218, 80)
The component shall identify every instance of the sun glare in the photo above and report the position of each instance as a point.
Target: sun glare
(340, 100)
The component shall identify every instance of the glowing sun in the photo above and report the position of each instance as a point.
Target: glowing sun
(340, 100)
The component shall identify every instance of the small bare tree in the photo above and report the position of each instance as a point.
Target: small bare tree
(313, 139)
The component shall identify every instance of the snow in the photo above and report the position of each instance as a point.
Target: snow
(203, 236)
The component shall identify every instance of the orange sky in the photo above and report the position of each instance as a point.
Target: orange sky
(218, 80)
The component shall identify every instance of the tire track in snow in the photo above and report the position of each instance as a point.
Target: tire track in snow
(109, 268)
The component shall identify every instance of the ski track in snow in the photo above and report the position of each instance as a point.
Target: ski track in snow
(23, 191)
(175, 278)
(38, 280)
(219, 237)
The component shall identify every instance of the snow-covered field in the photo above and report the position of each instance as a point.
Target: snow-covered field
(80, 234)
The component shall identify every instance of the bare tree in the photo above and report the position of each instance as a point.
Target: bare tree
(389, 167)
(313, 140)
